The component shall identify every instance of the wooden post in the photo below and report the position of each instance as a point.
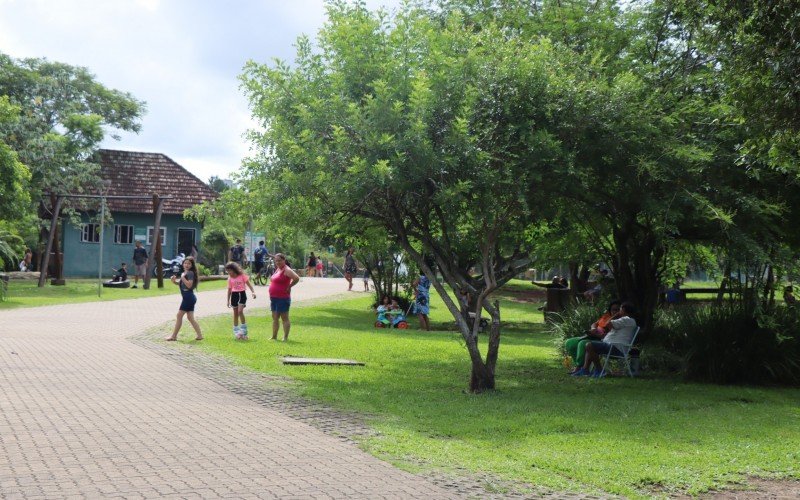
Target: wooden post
(155, 249)
(40, 249)
(58, 255)
(50, 238)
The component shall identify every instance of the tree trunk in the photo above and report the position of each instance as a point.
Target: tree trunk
(637, 272)
(482, 374)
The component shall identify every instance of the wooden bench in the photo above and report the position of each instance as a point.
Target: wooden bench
(688, 291)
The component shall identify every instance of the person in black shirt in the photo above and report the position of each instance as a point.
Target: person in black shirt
(236, 253)
(140, 263)
(187, 284)
(122, 273)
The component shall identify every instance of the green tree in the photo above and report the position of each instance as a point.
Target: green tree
(14, 176)
(65, 113)
(757, 47)
(217, 184)
(431, 129)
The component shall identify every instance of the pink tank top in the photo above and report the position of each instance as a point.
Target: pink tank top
(279, 285)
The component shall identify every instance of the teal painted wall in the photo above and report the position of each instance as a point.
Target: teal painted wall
(81, 258)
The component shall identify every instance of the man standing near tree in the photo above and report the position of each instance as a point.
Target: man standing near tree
(236, 253)
(140, 263)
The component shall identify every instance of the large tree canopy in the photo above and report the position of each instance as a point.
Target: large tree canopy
(65, 114)
(436, 131)
(467, 128)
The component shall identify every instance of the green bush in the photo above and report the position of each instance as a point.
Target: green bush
(203, 270)
(734, 344)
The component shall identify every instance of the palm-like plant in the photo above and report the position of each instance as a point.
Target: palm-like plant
(8, 242)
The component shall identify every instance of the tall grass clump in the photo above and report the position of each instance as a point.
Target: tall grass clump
(733, 343)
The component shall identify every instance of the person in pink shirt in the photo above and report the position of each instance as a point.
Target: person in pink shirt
(237, 297)
(280, 287)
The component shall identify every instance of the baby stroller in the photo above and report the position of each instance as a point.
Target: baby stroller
(391, 318)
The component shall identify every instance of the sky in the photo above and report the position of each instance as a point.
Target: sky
(182, 57)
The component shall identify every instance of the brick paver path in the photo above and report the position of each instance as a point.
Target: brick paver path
(86, 413)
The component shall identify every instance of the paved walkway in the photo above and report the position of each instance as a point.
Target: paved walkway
(86, 413)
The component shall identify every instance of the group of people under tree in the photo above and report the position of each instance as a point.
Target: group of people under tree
(589, 293)
(616, 326)
(388, 306)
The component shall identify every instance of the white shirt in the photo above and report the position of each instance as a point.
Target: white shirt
(621, 331)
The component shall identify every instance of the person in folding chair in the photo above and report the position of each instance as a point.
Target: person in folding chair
(623, 329)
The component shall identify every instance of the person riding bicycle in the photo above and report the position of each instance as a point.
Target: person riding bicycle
(259, 255)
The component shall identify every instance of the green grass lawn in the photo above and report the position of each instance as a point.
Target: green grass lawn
(25, 293)
(634, 437)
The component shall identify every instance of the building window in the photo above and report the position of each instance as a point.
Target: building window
(90, 233)
(123, 234)
(162, 230)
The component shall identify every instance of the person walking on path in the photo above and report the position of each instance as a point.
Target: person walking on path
(311, 265)
(320, 268)
(187, 284)
(422, 294)
(280, 298)
(237, 298)
(350, 268)
(139, 263)
(236, 252)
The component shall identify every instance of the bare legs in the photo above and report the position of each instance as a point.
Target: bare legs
(179, 322)
(238, 315)
(349, 278)
(284, 317)
(424, 322)
(591, 357)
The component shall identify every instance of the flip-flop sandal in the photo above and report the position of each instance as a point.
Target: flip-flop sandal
(170, 339)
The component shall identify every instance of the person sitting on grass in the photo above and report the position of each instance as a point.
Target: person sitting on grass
(623, 327)
(576, 346)
(122, 273)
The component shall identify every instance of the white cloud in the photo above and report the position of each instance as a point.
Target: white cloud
(182, 57)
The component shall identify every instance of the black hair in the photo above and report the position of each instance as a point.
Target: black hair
(613, 303)
(261, 242)
(629, 307)
(194, 270)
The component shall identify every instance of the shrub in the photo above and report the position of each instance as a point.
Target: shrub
(734, 344)
(203, 270)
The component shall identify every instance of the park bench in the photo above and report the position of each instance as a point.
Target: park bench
(683, 292)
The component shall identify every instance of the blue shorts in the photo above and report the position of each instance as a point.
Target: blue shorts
(188, 302)
(279, 305)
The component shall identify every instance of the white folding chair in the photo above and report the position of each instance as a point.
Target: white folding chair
(624, 354)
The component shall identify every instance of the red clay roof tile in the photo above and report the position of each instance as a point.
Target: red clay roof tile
(135, 173)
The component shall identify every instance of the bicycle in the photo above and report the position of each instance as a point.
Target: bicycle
(262, 277)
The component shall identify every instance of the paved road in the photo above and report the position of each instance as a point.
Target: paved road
(86, 413)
